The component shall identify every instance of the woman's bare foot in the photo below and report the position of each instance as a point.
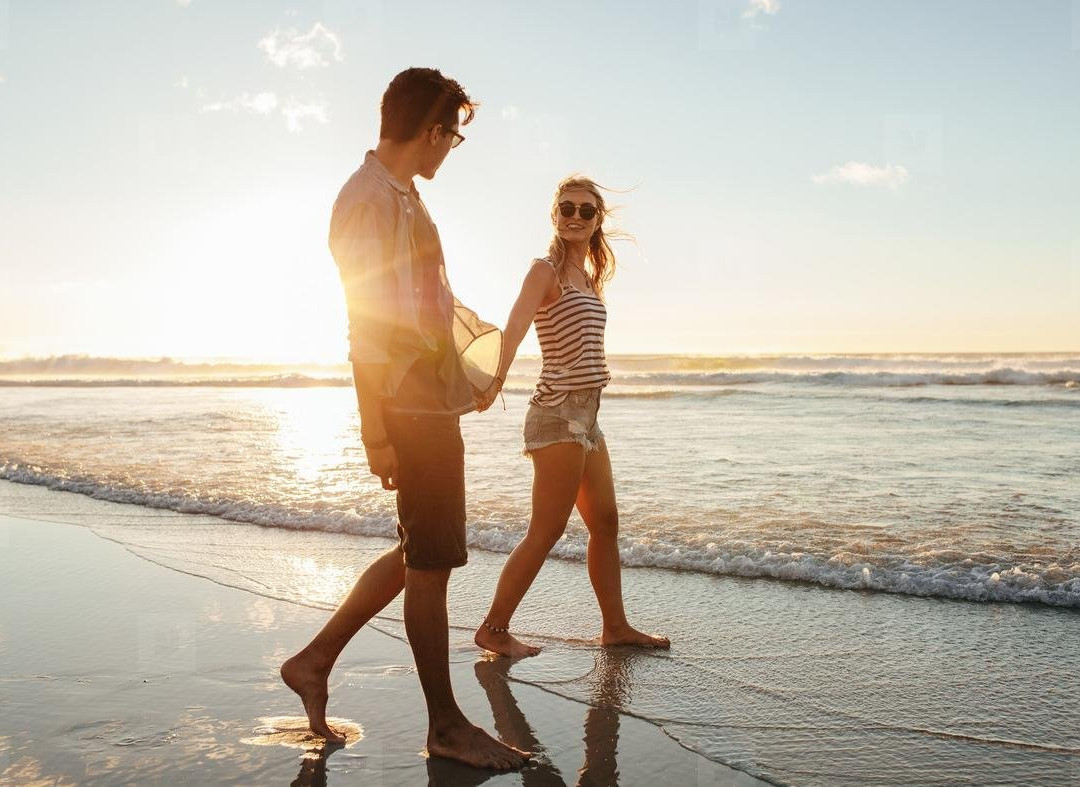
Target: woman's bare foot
(628, 635)
(469, 744)
(504, 643)
(309, 682)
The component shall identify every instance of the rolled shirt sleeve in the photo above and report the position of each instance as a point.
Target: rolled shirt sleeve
(360, 248)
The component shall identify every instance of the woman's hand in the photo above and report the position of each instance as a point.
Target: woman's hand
(487, 398)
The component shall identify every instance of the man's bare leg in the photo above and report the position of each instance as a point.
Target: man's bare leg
(306, 673)
(450, 734)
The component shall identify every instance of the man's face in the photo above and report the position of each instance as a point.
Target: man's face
(437, 144)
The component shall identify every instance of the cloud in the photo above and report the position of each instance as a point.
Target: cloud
(296, 113)
(311, 50)
(891, 175)
(182, 82)
(769, 7)
(259, 103)
(183, 3)
(285, 48)
(510, 112)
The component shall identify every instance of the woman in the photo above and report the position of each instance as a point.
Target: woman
(562, 293)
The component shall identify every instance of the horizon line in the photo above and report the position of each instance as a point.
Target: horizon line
(195, 360)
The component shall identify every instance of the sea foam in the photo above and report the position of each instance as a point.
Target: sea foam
(947, 574)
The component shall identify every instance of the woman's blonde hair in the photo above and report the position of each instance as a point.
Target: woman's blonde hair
(599, 256)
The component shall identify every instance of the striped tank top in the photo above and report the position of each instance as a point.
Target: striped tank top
(571, 334)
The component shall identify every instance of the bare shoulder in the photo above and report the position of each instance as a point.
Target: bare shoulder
(543, 280)
(541, 268)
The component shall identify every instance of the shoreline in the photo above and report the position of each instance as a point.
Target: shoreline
(792, 683)
(132, 671)
(948, 581)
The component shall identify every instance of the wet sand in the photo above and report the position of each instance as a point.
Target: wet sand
(120, 671)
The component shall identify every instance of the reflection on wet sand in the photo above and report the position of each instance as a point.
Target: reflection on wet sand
(294, 732)
(314, 765)
(610, 685)
(313, 768)
(29, 771)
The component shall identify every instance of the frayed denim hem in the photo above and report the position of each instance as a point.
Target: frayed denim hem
(582, 440)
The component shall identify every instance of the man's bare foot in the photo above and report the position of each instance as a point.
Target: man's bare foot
(309, 682)
(503, 643)
(469, 744)
(628, 635)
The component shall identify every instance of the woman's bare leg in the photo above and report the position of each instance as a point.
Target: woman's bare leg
(597, 506)
(557, 473)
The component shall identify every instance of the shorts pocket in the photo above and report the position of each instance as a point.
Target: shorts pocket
(579, 397)
(534, 418)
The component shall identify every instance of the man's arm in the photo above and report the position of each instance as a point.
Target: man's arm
(359, 245)
(382, 459)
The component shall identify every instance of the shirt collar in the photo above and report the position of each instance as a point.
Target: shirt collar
(372, 161)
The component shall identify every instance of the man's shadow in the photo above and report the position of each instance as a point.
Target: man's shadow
(610, 685)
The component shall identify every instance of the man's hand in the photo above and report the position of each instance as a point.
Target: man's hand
(383, 463)
(487, 398)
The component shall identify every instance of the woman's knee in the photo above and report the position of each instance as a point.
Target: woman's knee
(605, 525)
(545, 535)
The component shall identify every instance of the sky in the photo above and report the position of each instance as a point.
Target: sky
(798, 177)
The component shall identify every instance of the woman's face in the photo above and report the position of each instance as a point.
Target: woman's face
(575, 229)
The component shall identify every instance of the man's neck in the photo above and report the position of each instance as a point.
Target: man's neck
(399, 159)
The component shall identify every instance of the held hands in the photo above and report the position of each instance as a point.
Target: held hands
(486, 399)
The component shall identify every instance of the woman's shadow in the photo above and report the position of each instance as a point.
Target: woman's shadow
(610, 687)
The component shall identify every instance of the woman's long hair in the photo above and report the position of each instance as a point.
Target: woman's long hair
(599, 256)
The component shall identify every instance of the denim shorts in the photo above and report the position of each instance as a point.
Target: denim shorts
(572, 421)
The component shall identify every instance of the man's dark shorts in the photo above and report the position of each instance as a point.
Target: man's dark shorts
(431, 489)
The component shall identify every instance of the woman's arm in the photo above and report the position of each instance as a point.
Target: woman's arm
(534, 290)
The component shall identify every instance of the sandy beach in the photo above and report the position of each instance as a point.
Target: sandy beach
(141, 643)
(119, 671)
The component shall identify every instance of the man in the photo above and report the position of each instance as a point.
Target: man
(420, 360)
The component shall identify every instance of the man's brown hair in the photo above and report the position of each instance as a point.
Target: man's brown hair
(419, 98)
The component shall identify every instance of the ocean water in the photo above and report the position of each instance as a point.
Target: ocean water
(837, 545)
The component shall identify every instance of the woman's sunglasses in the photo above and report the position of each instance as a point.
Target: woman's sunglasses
(586, 210)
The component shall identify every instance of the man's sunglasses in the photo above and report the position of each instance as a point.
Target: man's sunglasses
(586, 210)
(458, 138)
